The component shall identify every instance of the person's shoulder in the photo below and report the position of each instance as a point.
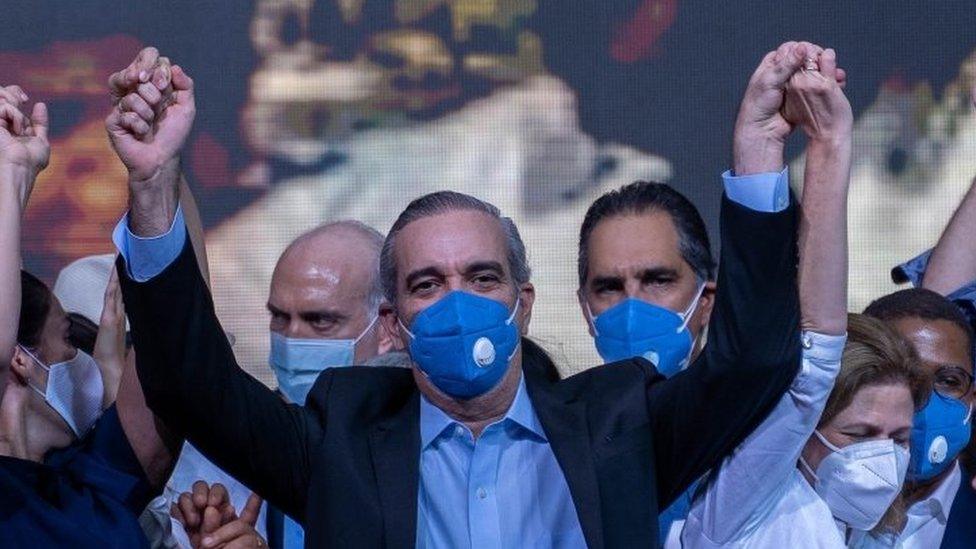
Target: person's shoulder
(363, 385)
(607, 379)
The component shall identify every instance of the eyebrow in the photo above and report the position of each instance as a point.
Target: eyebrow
(420, 273)
(652, 272)
(479, 266)
(305, 315)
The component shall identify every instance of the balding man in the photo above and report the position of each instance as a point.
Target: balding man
(325, 300)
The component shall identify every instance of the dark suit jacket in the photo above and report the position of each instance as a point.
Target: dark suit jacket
(960, 530)
(346, 464)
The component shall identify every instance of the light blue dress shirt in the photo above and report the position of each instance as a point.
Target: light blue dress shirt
(506, 489)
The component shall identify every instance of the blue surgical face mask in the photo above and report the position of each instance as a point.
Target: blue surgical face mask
(297, 363)
(463, 343)
(940, 431)
(636, 328)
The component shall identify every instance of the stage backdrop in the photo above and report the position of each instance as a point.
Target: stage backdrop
(317, 110)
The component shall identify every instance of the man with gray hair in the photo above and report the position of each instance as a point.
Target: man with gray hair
(324, 303)
(474, 446)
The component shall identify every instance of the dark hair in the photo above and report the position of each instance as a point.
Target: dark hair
(35, 305)
(443, 202)
(923, 304)
(82, 332)
(646, 196)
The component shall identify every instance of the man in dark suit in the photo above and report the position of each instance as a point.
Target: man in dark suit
(476, 445)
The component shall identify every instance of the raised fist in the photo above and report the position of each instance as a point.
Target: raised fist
(23, 139)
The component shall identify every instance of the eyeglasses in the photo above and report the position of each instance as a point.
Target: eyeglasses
(953, 381)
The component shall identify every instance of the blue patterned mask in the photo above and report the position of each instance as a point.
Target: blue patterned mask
(463, 343)
(636, 328)
(940, 431)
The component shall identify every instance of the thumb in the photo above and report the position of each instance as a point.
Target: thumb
(252, 509)
(40, 120)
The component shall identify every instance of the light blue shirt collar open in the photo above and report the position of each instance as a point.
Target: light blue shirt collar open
(434, 421)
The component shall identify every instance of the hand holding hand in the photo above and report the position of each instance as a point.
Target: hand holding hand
(815, 100)
(203, 511)
(239, 533)
(761, 129)
(153, 114)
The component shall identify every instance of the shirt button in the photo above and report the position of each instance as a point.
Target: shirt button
(482, 493)
(458, 431)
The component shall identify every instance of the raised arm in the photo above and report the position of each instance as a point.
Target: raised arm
(24, 152)
(753, 351)
(187, 369)
(816, 103)
(952, 264)
(737, 499)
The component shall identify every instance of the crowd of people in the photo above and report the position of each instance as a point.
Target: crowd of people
(740, 403)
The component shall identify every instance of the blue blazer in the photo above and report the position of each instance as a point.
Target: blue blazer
(961, 527)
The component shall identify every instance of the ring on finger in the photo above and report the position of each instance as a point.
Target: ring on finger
(810, 65)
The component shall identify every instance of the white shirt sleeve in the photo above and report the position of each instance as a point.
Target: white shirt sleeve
(748, 483)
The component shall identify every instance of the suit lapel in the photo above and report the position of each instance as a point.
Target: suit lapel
(566, 427)
(395, 451)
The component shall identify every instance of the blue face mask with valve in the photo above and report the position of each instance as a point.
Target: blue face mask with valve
(297, 363)
(464, 343)
(940, 431)
(636, 328)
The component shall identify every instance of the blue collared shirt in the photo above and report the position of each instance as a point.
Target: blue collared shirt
(913, 271)
(506, 489)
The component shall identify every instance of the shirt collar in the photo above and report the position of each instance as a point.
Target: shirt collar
(434, 421)
(938, 504)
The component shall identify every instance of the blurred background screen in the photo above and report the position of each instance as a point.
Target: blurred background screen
(317, 110)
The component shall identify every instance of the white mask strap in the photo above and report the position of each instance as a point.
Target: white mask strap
(807, 468)
(686, 315)
(826, 442)
(511, 317)
(39, 363)
(366, 331)
(405, 329)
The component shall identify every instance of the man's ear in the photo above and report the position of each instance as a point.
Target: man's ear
(389, 340)
(526, 300)
(581, 297)
(706, 304)
(390, 337)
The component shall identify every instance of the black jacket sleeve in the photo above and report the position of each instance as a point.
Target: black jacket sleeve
(753, 353)
(192, 382)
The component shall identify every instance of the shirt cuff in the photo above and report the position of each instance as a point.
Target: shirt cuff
(912, 270)
(764, 192)
(147, 257)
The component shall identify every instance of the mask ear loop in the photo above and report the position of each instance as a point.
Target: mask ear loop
(686, 315)
(368, 328)
(39, 363)
(589, 313)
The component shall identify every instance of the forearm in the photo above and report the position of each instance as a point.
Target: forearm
(953, 261)
(154, 446)
(823, 237)
(754, 152)
(153, 203)
(14, 182)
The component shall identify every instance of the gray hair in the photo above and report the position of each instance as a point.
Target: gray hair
(375, 296)
(443, 202)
